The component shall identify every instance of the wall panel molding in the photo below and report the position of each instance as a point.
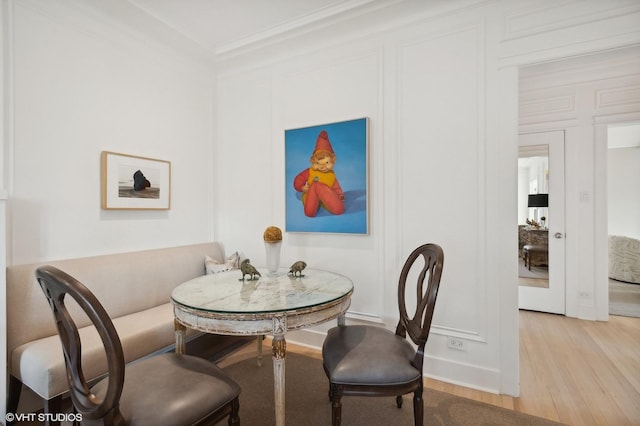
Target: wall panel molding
(548, 108)
(608, 83)
(621, 64)
(627, 96)
(534, 18)
(301, 90)
(420, 62)
(536, 32)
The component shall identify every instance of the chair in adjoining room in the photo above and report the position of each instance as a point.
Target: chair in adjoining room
(363, 360)
(164, 389)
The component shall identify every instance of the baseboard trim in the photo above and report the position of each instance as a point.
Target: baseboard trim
(444, 370)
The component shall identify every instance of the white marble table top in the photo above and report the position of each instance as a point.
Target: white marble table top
(226, 292)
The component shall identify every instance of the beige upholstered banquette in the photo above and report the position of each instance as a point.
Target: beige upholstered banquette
(135, 289)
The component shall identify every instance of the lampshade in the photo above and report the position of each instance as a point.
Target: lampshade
(538, 200)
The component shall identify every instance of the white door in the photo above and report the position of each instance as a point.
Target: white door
(550, 297)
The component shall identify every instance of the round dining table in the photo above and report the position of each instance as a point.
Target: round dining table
(228, 303)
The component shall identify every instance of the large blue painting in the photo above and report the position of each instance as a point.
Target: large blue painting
(326, 178)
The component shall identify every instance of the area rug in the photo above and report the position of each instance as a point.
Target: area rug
(307, 401)
(536, 272)
(624, 299)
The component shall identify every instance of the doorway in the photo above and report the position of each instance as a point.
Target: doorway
(541, 222)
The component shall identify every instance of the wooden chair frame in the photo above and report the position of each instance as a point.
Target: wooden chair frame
(56, 284)
(416, 325)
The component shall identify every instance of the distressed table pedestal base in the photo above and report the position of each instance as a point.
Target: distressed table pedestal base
(279, 350)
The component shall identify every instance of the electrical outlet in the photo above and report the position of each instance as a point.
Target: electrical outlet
(455, 343)
(585, 294)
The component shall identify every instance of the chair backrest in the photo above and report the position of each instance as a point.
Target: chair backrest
(56, 284)
(418, 324)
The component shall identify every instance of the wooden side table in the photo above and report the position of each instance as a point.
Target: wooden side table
(532, 251)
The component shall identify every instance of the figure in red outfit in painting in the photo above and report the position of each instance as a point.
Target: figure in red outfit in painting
(318, 183)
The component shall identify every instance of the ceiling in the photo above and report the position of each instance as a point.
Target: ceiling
(224, 25)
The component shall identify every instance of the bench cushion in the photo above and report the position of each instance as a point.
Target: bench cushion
(135, 289)
(141, 334)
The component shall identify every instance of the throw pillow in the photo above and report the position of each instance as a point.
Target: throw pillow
(213, 266)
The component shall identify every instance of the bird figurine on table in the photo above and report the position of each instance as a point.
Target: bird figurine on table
(248, 269)
(297, 267)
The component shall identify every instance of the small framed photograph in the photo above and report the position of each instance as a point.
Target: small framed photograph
(326, 178)
(135, 183)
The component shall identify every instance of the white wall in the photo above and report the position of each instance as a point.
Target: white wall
(422, 128)
(440, 90)
(623, 190)
(440, 93)
(83, 84)
(76, 83)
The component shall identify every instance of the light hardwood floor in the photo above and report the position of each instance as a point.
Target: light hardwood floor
(580, 372)
(572, 371)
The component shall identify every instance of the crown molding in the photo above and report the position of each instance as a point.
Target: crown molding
(292, 27)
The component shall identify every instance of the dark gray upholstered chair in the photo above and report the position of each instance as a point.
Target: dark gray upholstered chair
(365, 360)
(167, 389)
